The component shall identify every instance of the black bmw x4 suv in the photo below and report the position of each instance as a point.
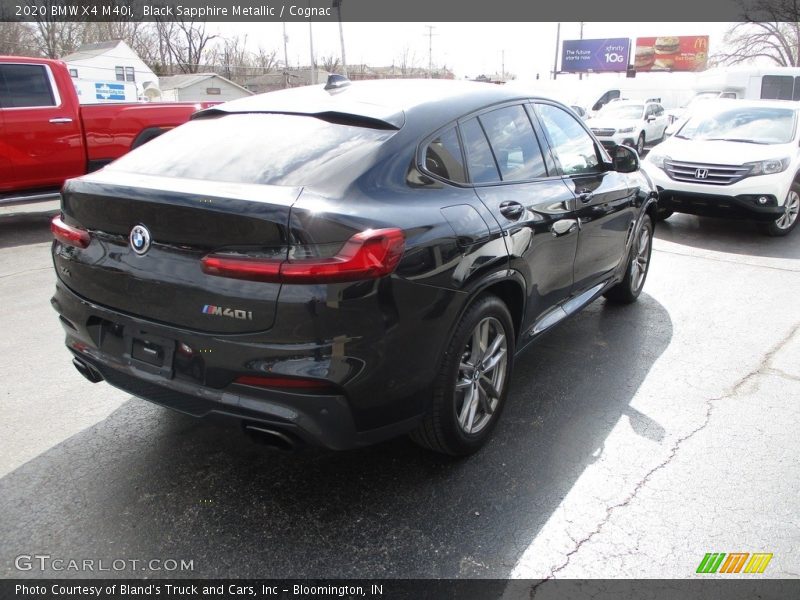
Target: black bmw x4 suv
(341, 264)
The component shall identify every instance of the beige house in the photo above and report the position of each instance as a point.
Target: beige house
(199, 87)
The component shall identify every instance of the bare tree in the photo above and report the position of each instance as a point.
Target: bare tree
(142, 37)
(232, 58)
(771, 30)
(17, 39)
(187, 44)
(266, 60)
(407, 62)
(330, 63)
(54, 39)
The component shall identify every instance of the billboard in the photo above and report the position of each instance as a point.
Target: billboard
(671, 53)
(579, 56)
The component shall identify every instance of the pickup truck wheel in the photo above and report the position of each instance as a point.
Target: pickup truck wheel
(628, 290)
(788, 220)
(471, 386)
(640, 144)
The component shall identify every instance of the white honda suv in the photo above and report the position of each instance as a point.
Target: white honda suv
(733, 158)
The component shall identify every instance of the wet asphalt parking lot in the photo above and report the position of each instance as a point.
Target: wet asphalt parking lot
(635, 440)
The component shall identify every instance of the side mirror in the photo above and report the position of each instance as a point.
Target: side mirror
(650, 119)
(626, 159)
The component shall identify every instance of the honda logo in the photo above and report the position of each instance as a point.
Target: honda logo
(700, 173)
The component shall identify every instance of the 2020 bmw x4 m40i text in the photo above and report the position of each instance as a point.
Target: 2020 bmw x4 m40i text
(340, 266)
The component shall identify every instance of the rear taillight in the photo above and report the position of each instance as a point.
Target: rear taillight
(66, 234)
(367, 255)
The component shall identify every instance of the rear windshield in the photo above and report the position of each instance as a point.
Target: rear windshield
(256, 148)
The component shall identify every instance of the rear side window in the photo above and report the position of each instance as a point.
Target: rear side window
(480, 161)
(257, 148)
(25, 86)
(514, 143)
(443, 157)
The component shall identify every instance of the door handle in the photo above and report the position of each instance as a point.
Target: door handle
(563, 227)
(60, 120)
(511, 210)
(585, 196)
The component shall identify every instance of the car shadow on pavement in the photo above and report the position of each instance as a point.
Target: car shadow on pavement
(24, 230)
(147, 483)
(727, 235)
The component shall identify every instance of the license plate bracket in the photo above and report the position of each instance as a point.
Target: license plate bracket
(148, 352)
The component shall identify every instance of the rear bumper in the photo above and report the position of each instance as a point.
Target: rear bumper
(366, 402)
(323, 420)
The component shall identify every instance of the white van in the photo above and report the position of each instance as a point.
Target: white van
(751, 83)
(671, 90)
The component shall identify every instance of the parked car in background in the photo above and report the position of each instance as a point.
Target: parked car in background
(733, 158)
(630, 122)
(345, 264)
(46, 136)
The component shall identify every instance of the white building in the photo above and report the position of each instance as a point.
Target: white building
(110, 61)
(198, 87)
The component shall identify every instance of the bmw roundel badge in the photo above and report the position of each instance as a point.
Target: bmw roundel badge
(140, 239)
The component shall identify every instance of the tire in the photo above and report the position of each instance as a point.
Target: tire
(458, 422)
(637, 267)
(640, 144)
(662, 214)
(788, 220)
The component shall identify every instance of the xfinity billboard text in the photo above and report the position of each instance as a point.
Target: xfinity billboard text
(595, 55)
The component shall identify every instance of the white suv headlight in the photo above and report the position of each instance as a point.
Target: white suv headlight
(626, 130)
(657, 160)
(767, 167)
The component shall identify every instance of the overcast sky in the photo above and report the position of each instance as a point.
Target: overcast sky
(470, 49)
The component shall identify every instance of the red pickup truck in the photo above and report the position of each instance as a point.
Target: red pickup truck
(46, 136)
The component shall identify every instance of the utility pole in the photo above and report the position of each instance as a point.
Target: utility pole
(285, 57)
(313, 61)
(430, 35)
(580, 75)
(337, 4)
(555, 58)
(503, 65)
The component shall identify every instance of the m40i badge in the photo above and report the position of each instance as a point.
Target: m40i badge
(233, 313)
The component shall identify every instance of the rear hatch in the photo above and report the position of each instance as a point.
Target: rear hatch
(186, 220)
(223, 184)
